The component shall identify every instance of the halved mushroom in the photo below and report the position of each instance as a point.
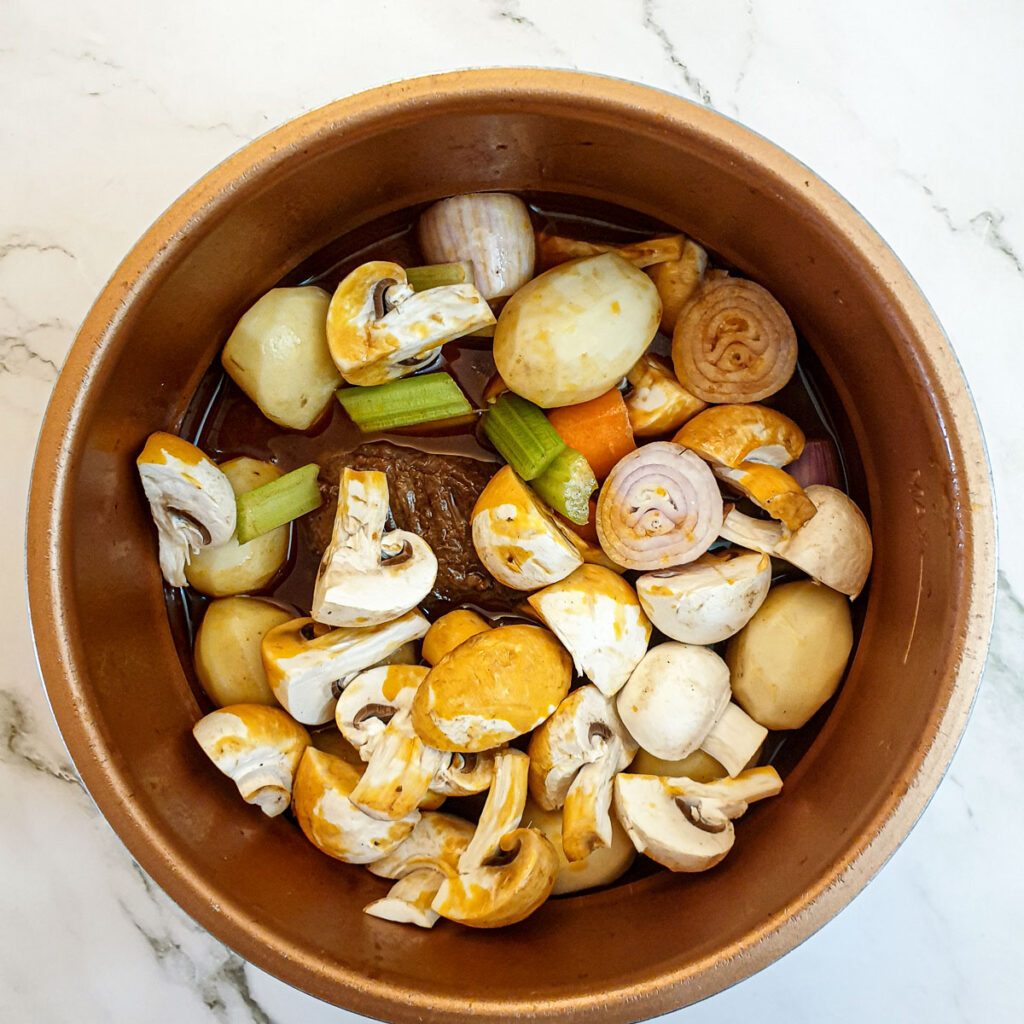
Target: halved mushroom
(678, 281)
(435, 837)
(728, 435)
(447, 632)
(503, 808)
(408, 900)
(510, 888)
(368, 576)
(256, 746)
(597, 616)
(371, 699)
(464, 774)
(379, 329)
(307, 669)
(686, 825)
(708, 600)
(772, 489)
(833, 548)
(190, 498)
(657, 403)
(329, 819)
(517, 538)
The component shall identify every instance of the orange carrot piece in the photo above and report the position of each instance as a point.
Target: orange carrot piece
(598, 429)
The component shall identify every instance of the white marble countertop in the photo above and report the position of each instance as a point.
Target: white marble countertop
(911, 110)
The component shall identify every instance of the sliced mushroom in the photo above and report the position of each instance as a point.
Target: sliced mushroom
(329, 819)
(686, 825)
(708, 600)
(256, 746)
(772, 489)
(191, 501)
(517, 538)
(833, 548)
(598, 618)
(435, 837)
(368, 576)
(370, 701)
(307, 669)
(502, 811)
(657, 403)
(464, 774)
(728, 435)
(505, 891)
(379, 329)
(408, 900)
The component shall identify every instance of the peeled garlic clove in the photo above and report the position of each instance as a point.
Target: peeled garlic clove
(491, 230)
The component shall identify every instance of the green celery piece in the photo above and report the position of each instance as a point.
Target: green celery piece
(278, 502)
(567, 484)
(522, 434)
(435, 275)
(404, 403)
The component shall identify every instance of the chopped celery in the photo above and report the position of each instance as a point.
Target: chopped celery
(567, 484)
(434, 275)
(403, 403)
(521, 433)
(279, 502)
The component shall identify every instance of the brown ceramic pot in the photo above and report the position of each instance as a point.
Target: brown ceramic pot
(122, 699)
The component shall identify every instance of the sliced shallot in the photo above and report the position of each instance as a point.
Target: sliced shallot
(659, 507)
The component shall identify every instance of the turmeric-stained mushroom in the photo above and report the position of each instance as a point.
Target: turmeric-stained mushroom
(555, 249)
(502, 811)
(190, 498)
(258, 748)
(464, 774)
(678, 281)
(408, 900)
(371, 699)
(656, 402)
(728, 435)
(772, 489)
(447, 632)
(435, 837)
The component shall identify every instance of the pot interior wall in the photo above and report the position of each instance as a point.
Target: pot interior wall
(257, 883)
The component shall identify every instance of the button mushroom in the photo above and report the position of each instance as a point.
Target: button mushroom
(772, 489)
(256, 746)
(708, 600)
(834, 547)
(657, 403)
(379, 329)
(191, 501)
(307, 669)
(447, 632)
(727, 435)
(368, 576)
(574, 757)
(503, 808)
(329, 819)
(517, 538)
(408, 900)
(435, 837)
(464, 774)
(686, 825)
(597, 616)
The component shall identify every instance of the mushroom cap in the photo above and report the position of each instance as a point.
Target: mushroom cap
(190, 498)
(447, 632)
(371, 344)
(329, 819)
(731, 434)
(464, 774)
(258, 747)
(517, 539)
(371, 699)
(502, 810)
(495, 895)
(436, 836)
(491, 688)
(307, 674)
(657, 402)
(708, 600)
(772, 489)
(408, 900)
(598, 618)
(673, 698)
(563, 744)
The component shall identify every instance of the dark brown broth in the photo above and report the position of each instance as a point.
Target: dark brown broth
(225, 424)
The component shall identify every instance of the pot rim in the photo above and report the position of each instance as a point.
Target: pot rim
(52, 619)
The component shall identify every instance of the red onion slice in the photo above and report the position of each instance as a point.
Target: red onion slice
(659, 507)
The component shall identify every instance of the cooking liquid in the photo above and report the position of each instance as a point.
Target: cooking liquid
(225, 424)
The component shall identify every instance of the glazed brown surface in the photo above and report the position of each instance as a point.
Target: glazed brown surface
(125, 706)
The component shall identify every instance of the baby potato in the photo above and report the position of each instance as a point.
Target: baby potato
(278, 355)
(575, 331)
(227, 651)
(234, 568)
(788, 660)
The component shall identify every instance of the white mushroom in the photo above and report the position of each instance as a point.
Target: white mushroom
(368, 576)
(256, 746)
(686, 825)
(371, 699)
(734, 739)
(770, 488)
(330, 820)
(191, 501)
(435, 837)
(597, 616)
(408, 900)
(379, 329)
(708, 600)
(833, 547)
(502, 811)
(464, 774)
(307, 669)
(728, 435)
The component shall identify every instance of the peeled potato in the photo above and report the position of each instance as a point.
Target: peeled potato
(573, 333)
(234, 568)
(601, 867)
(278, 355)
(227, 651)
(788, 660)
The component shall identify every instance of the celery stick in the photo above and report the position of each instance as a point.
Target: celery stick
(435, 275)
(567, 484)
(279, 502)
(521, 433)
(403, 403)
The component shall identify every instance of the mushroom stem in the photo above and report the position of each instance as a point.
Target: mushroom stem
(502, 811)
(734, 739)
(586, 821)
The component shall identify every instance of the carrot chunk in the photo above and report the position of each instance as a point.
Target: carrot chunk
(598, 429)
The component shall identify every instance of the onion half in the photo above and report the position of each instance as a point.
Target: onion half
(659, 507)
